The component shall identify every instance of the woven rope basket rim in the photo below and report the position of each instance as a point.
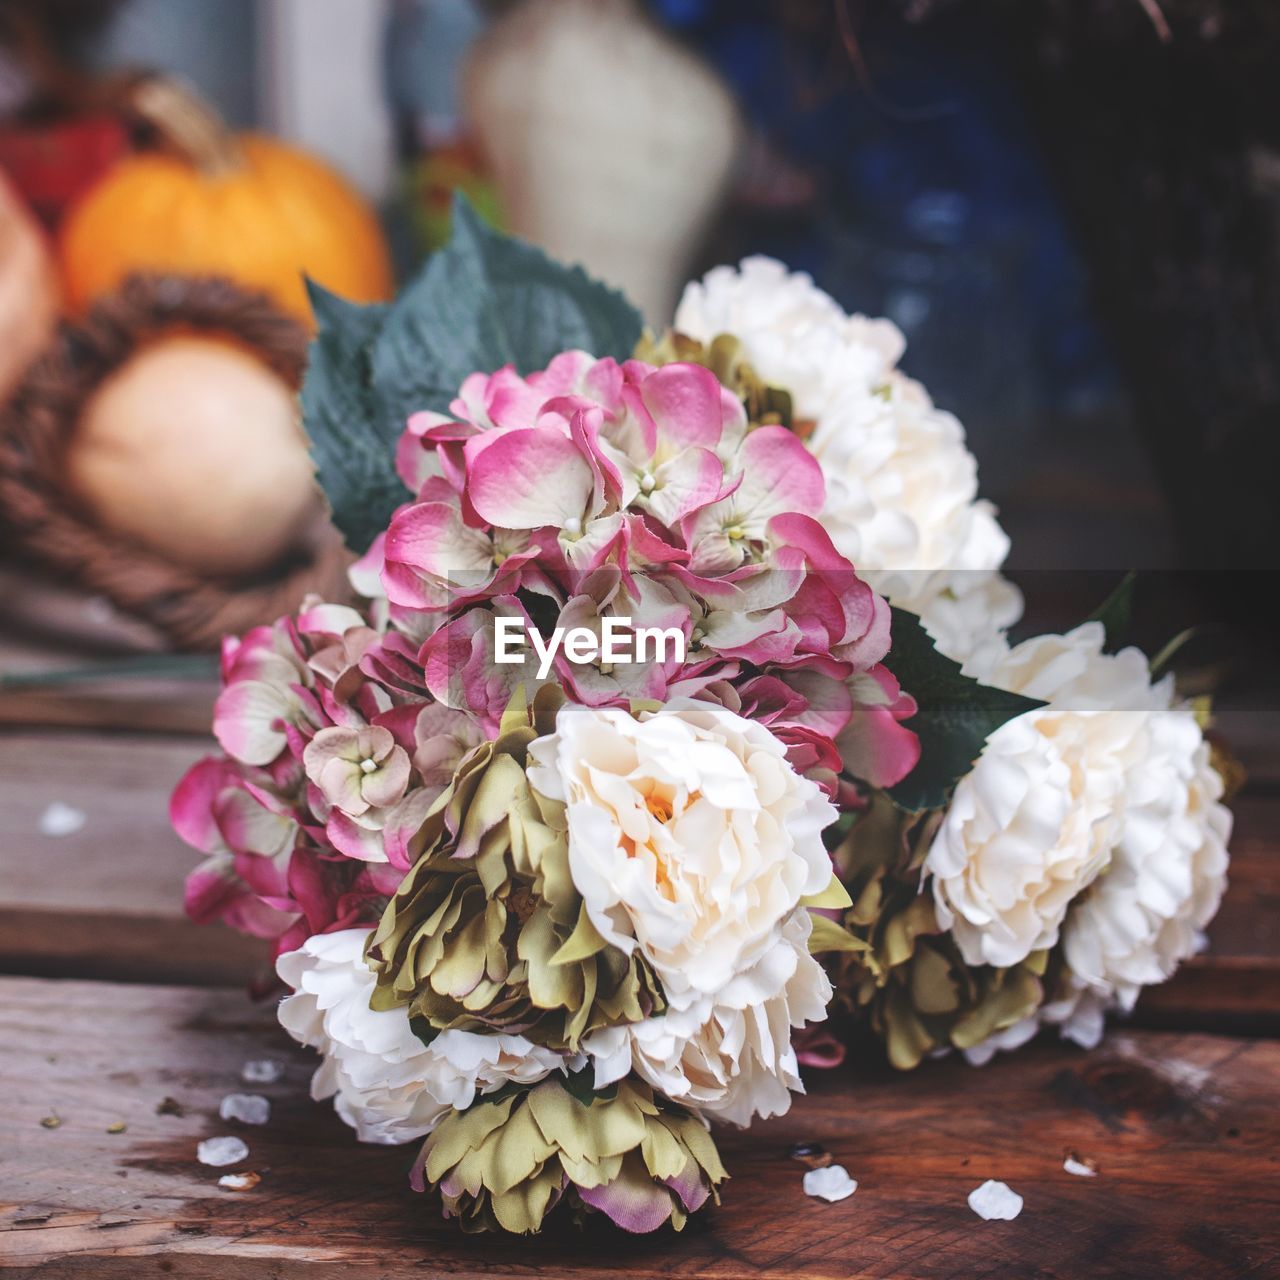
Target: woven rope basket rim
(41, 519)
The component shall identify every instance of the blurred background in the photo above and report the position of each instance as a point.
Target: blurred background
(1070, 207)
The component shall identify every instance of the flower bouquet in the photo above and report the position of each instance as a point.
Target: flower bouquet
(567, 838)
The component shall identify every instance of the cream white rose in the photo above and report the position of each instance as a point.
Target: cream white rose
(901, 486)
(385, 1082)
(690, 835)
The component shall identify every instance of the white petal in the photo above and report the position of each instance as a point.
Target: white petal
(831, 1183)
(221, 1151)
(994, 1201)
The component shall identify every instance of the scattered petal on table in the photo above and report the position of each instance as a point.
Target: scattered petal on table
(995, 1201)
(240, 1181)
(61, 820)
(221, 1151)
(830, 1183)
(248, 1108)
(261, 1071)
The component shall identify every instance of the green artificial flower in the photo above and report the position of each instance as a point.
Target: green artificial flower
(487, 931)
(905, 975)
(505, 1162)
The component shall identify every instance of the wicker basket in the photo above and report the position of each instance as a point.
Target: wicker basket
(40, 519)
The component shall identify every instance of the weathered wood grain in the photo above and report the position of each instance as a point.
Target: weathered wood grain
(1183, 1129)
(113, 906)
(149, 706)
(133, 703)
(105, 902)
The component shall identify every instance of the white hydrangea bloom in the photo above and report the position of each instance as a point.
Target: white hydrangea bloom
(901, 485)
(385, 1082)
(1136, 866)
(795, 335)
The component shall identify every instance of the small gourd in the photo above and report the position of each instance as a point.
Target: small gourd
(193, 449)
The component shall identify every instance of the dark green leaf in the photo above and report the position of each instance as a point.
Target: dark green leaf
(1114, 614)
(422, 1028)
(483, 301)
(581, 1086)
(956, 715)
(353, 439)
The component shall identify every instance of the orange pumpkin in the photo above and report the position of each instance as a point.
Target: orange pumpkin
(248, 207)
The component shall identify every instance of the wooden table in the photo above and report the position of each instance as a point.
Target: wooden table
(115, 1011)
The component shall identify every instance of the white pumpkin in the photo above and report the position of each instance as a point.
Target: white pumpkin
(193, 448)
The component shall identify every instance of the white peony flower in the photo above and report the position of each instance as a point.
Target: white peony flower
(385, 1082)
(729, 1057)
(1137, 866)
(690, 835)
(1036, 820)
(1168, 872)
(693, 839)
(902, 487)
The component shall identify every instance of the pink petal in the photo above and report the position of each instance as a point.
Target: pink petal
(531, 479)
(637, 1208)
(685, 484)
(355, 841)
(248, 827)
(248, 720)
(877, 748)
(684, 402)
(191, 807)
(385, 786)
(432, 538)
(780, 475)
(327, 746)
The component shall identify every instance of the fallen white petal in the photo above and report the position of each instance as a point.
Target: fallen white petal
(61, 820)
(994, 1200)
(248, 1108)
(221, 1151)
(832, 1183)
(261, 1071)
(239, 1181)
(1079, 1168)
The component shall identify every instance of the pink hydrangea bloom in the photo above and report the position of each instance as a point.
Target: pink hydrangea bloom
(590, 491)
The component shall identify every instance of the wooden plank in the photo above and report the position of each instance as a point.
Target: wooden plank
(141, 706)
(106, 901)
(134, 703)
(50, 626)
(113, 906)
(1183, 1130)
